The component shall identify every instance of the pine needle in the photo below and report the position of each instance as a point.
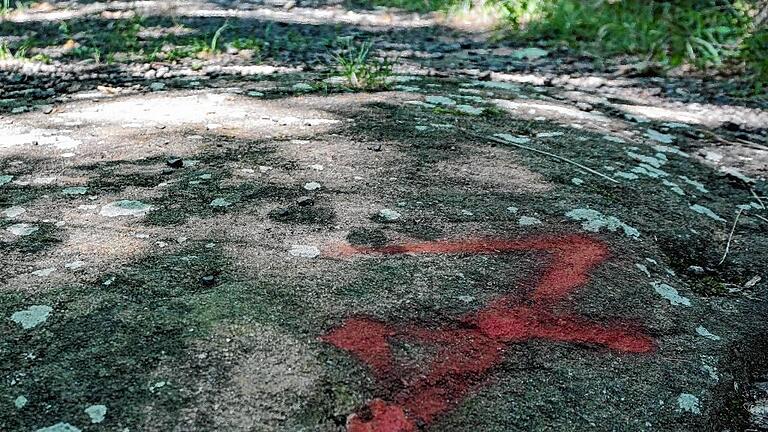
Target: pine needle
(730, 237)
(546, 153)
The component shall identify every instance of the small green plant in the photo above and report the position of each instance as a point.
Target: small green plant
(409, 5)
(7, 8)
(354, 63)
(21, 53)
(5, 52)
(204, 47)
(214, 45)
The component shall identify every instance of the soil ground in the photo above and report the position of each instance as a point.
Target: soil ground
(240, 245)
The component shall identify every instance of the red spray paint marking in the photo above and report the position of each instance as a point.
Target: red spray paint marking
(465, 355)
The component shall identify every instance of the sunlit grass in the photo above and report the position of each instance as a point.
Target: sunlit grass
(703, 33)
(354, 62)
(21, 53)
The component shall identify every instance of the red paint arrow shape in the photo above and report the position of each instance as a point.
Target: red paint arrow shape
(466, 355)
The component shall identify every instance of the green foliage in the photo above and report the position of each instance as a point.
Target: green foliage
(755, 53)
(703, 33)
(5, 52)
(6, 7)
(21, 53)
(409, 5)
(214, 45)
(361, 71)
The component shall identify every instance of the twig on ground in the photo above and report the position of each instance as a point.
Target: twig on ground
(762, 204)
(552, 155)
(730, 237)
(760, 217)
(738, 142)
(752, 144)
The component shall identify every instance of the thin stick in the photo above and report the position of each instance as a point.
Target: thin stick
(760, 217)
(730, 237)
(752, 144)
(552, 155)
(762, 204)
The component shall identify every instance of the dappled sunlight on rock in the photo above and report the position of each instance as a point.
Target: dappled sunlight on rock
(203, 109)
(208, 9)
(493, 169)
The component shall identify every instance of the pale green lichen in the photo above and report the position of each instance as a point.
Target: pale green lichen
(20, 402)
(32, 316)
(15, 211)
(220, 202)
(59, 427)
(22, 229)
(405, 88)
(96, 413)
(702, 331)
(125, 208)
(674, 187)
(658, 136)
(643, 269)
(688, 402)
(440, 100)
(750, 206)
(698, 185)
(76, 190)
(594, 221)
(613, 139)
(468, 109)
(670, 294)
(649, 171)
(302, 87)
(626, 175)
(531, 53)
(738, 174)
(157, 385)
(514, 139)
(671, 150)
(706, 212)
(389, 215)
(528, 221)
(711, 371)
(654, 161)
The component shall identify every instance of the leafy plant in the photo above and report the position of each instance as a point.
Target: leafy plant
(703, 33)
(354, 62)
(409, 5)
(21, 53)
(5, 51)
(7, 8)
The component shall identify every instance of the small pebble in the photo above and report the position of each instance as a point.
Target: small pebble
(389, 215)
(175, 162)
(304, 251)
(305, 201)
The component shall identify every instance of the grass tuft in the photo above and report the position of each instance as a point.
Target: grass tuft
(702, 33)
(354, 62)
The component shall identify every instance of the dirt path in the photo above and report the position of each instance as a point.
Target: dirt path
(232, 245)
